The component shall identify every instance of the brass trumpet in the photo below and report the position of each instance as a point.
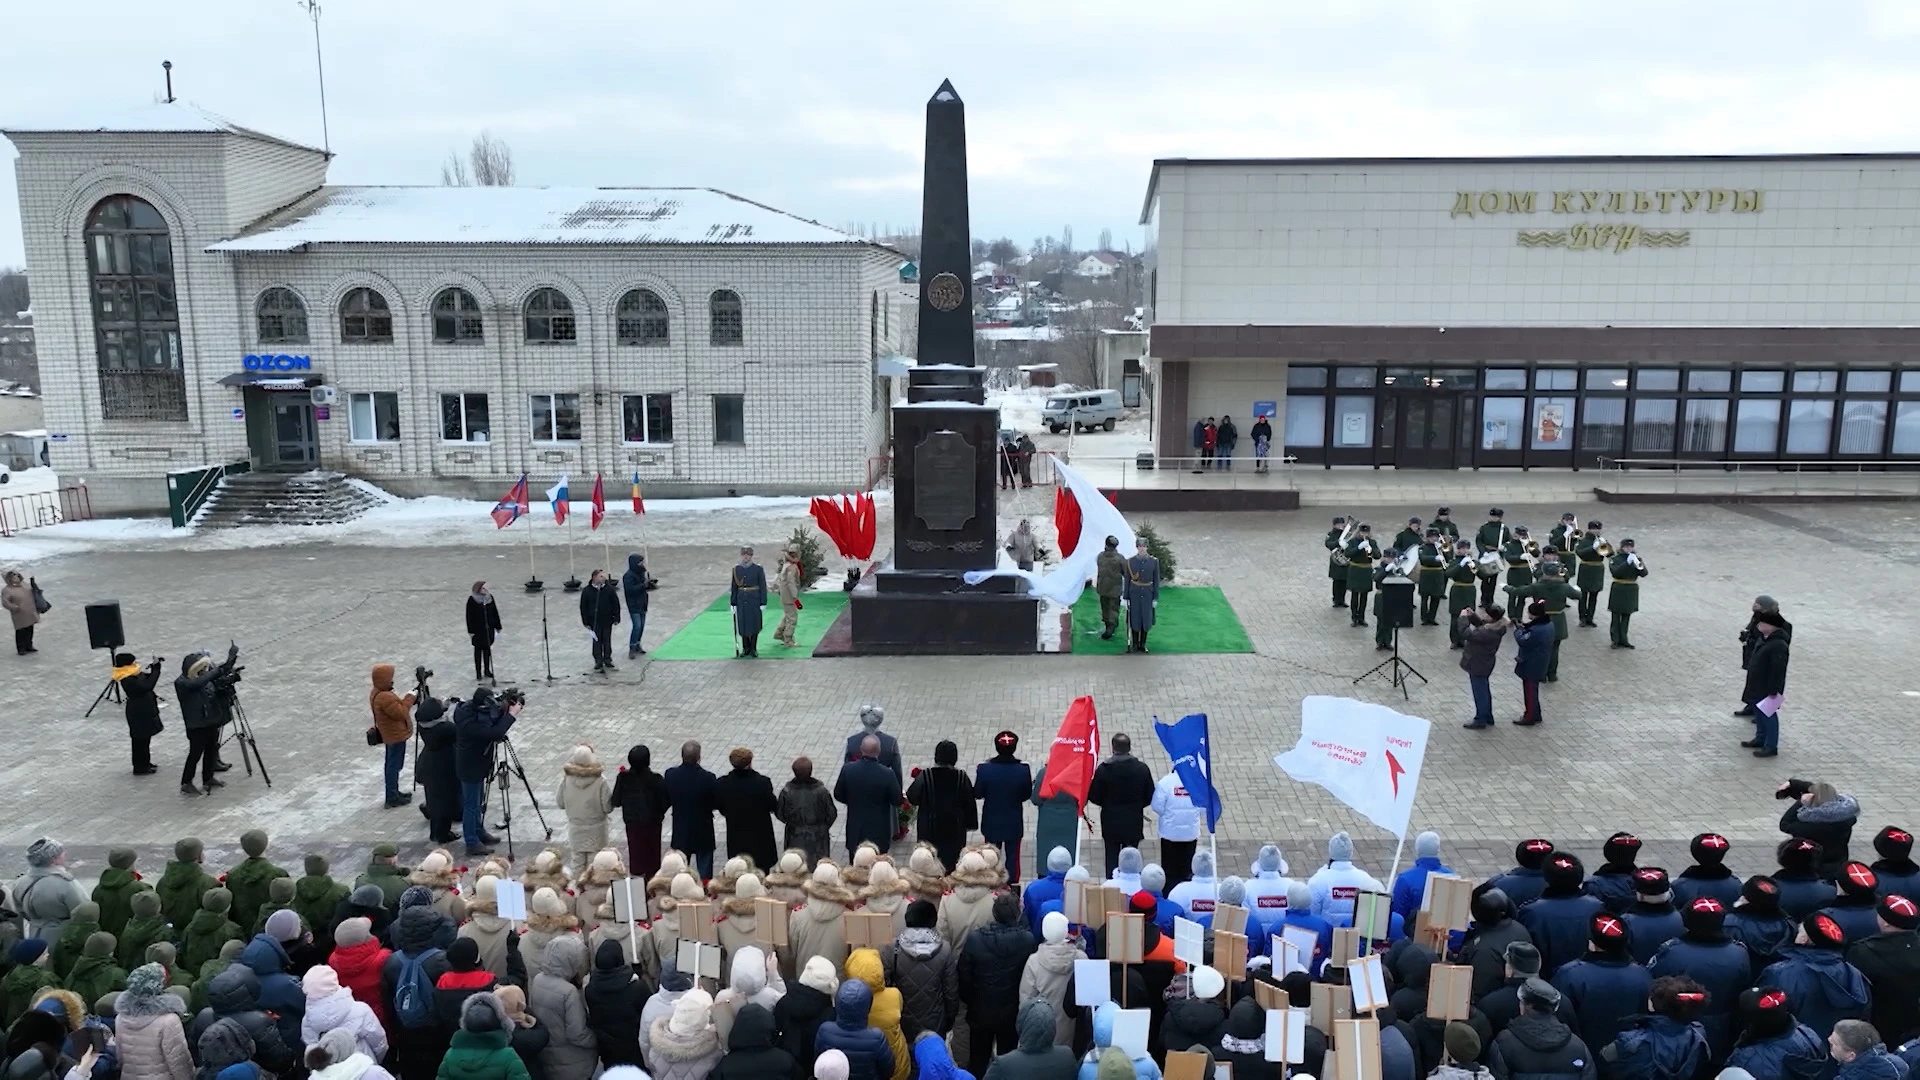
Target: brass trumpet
(1603, 549)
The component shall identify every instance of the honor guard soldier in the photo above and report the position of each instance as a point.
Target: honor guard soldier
(1445, 524)
(1592, 552)
(1624, 598)
(1408, 538)
(1336, 563)
(1433, 576)
(1360, 556)
(1461, 576)
(1519, 559)
(1142, 595)
(1382, 626)
(1552, 590)
(1564, 535)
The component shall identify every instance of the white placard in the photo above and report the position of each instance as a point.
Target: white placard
(1130, 1031)
(1286, 1035)
(697, 959)
(1369, 983)
(1304, 939)
(1092, 983)
(629, 896)
(1287, 958)
(1189, 941)
(510, 899)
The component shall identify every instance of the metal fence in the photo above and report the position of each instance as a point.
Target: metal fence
(19, 513)
(1185, 474)
(1749, 477)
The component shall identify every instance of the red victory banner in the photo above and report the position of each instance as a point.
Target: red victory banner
(1066, 519)
(850, 522)
(1075, 752)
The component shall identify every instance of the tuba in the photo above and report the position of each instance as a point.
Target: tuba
(1346, 537)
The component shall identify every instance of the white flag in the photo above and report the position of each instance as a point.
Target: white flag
(1367, 755)
(1099, 519)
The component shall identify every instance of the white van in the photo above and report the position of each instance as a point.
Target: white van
(1084, 410)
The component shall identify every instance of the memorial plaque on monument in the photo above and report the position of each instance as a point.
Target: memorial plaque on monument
(943, 490)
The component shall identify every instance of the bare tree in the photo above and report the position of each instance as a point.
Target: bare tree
(489, 164)
(979, 249)
(1066, 239)
(13, 292)
(1003, 251)
(1106, 239)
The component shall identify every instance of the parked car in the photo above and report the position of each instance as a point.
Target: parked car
(1082, 410)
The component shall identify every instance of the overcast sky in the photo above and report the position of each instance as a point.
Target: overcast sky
(817, 108)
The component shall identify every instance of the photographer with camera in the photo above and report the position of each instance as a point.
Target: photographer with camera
(392, 726)
(478, 726)
(205, 693)
(140, 685)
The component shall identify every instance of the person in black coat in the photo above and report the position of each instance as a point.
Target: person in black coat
(641, 796)
(1817, 812)
(1890, 960)
(202, 713)
(1613, 882)
(1606, 987)
(140, 686)
(478, 726)
(1122, 788)
(751, 1053)
(1751, 637)
(745, 801)
(635, 584)
(615, 997)
(1484, 949)
(1708, 956)
(871, 793)
(945, 797)
(991, 962)
(483, 627)
(1501, 1005)
(689, 788)
(1766, 679)
(798, 1014)
(600, 613)
(1537, 1044)
(433, 769)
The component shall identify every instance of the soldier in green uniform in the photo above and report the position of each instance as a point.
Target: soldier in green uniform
(1361, 553)
(1336, 568)
(1624, 598)
(1446, 526)
(1551, 589)
(1592, 573)
(1564, 534)
(1549, 563)
(1433, 577)
(1491, 536)
(1519, 563)
(1408, 538)
(1461, 576)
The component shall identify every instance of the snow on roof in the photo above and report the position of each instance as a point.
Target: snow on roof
(515, 215)
(176, 117)
(1016, 333)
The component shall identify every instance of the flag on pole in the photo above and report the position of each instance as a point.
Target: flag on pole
(599, 504)
(1190, 748)
(1366, 755)
(508, 510)
(1075, 752)
(557, 495)
(638, 506)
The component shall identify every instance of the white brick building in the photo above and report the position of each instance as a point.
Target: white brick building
(1542, 312)
(471, 334)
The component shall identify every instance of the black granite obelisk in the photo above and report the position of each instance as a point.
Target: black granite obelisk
(944, 440)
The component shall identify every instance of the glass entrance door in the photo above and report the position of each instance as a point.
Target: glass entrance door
(295, 444)
(1427, 431)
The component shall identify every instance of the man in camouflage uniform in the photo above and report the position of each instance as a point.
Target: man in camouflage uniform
(1460, 588)
(1552, 590)
(1592, 575)
(1433, 577)
(1361, 552)
(1336, 570)
(1624, 598)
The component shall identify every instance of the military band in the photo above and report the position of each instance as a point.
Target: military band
(1592, 550)
(1520, 551)
(1565, 533)
(1362, 552)
(1461, 576)
(1553, 591)
(1488, 540)
(1408, 538)
(1623, 599)
(1443, 520)
(1433, 576)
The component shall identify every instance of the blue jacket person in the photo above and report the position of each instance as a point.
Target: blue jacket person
(1142, 593)
(747, 596)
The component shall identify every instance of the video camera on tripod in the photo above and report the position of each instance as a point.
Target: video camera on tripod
(225, 695)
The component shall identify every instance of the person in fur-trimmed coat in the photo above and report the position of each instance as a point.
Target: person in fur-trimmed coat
(660, 885)
(730, 873)
(925, 875)
(593, 886)
(549, 918)
(886, 892)
(784, 881)
(586, 798)
(548, 870)
(854, 874)
(612, 929)
(500, 951)
(437, 875)
(148, 1029)
(685, 1045)
(816, 929)
(970, 904)
(658, 947)
(738, 919)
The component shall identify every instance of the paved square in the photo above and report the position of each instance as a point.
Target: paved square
(1638, 740)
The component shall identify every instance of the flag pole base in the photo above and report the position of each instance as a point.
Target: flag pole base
(572, 584)
(534, 584)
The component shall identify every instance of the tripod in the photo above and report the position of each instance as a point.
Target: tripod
(505, 769)
(1396, 669)
(249, 748)
(111, 692)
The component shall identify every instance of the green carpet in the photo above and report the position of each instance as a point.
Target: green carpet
(710, 635)
(1188, 620)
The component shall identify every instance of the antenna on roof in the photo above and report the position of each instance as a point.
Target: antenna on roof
(313, 11)
(167, 66)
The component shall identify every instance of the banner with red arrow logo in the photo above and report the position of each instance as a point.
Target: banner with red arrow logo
(1366, 755)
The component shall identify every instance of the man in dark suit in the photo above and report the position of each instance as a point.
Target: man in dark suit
(690, 795)
(871, 793)
(871, 717)
(1122, 787)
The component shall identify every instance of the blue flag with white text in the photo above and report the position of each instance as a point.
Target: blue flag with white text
(1192, 753)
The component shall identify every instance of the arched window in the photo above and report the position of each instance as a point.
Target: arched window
(723, 316)
(136, 320)
(549, 318)
(281, 318)
(365, 318)
(640, 319)
(456, 318)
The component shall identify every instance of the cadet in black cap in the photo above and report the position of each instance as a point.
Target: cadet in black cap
(1593, 570)
(1362, 550)
(1336, 561)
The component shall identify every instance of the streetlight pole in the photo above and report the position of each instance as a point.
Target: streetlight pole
(313, 11)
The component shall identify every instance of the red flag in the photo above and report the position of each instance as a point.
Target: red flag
(864, 526)
(599, 504)
(1066, 519)
(508, 510)
(1074, 754)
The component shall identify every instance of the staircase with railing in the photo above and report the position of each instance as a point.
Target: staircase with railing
(270, 498)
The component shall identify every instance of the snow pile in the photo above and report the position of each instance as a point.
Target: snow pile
(1020, 408)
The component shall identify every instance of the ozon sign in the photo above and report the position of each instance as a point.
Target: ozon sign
(281, 362)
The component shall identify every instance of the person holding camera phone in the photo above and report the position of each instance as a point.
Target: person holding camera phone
(139, 685)
(1481, 631)
(392, 727)
(203, 711)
